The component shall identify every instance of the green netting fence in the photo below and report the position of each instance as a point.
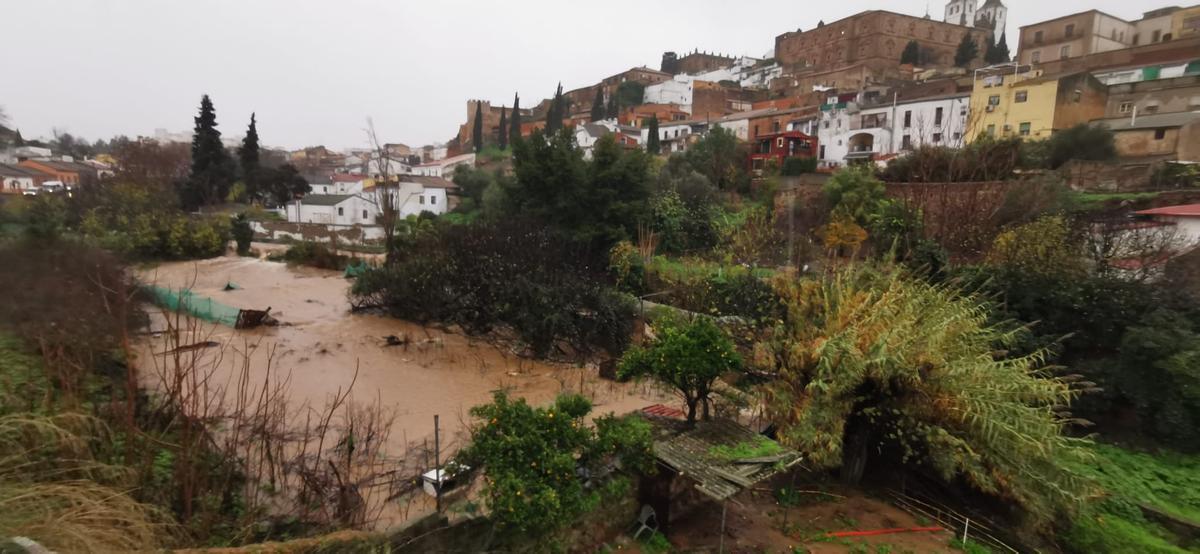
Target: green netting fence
(193, 304)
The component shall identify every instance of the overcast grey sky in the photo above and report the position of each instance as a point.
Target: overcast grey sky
(314, 71)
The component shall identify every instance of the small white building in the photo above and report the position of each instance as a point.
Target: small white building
(332, 209)
(16, 180)
(320, 184)
(443, 167)
(348, 183)
(1185, 218)
(588, 134)
(675, 91)
(414, 194)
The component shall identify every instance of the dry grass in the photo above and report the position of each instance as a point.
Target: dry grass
(54, 492)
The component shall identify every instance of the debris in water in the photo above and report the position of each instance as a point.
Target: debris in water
(190, 347)
(230, 285)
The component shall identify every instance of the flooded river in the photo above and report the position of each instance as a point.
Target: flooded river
(319, 344)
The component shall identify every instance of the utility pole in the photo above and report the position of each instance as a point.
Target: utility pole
(437, 464)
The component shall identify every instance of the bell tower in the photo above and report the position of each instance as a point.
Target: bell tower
(961, 12)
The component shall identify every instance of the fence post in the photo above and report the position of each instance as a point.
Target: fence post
(966, 526)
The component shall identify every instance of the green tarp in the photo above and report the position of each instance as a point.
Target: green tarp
(193, 304)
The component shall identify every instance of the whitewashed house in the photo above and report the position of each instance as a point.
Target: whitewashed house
(332, 209)
(414, 194)
(851, 130)
(443, 167)
(348, 183)
(587, 135)
(319, 184)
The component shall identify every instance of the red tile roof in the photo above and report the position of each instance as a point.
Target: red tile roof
(1184, 210)
(347, 177)
(659, 410)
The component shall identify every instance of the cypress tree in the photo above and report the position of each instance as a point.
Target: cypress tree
(554, 115)
(967, 51)
(212, 167)
(514, 127)
(997, 53)
(477, 131)
(614, 109)
(911, 54)
(502, 137)
(598, 105)
(652, 142)
(248, 158)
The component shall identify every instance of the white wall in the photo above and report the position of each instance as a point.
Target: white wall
(923, 126)
(355, 210)
(674, 91)
(11, 185)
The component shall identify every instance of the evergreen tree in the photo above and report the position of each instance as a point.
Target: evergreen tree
(554, 115)
(212, 167)
(514, 127)
(477, 130)
(997, 53)
(911, 54)
(248, 158)
(502, 136)
(598, 105)
(967, 51)
(614, 109)
(652, 142)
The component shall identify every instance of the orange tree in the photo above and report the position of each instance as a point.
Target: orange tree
(688, 356)
(536, 460)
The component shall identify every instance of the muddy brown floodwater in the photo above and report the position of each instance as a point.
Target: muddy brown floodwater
(320, 343)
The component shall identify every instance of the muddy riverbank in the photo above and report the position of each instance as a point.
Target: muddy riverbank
(319, 346)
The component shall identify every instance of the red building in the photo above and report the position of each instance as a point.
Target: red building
(777, 147)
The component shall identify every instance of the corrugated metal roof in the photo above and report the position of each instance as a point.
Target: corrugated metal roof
(325, 199)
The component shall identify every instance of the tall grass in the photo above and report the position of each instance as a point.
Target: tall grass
(54, 492)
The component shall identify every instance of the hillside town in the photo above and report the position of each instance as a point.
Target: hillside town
(899, 282)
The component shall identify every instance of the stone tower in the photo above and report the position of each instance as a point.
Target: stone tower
(961, 12)
(993, 15)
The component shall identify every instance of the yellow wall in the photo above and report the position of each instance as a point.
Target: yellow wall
(1188, 16)
(1037, 110)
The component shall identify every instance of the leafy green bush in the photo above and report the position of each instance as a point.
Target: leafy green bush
(243, 234)
(141, 223)
(536, 460)
(503, 275)
(315, 254)
(798, 166)
(713, 290)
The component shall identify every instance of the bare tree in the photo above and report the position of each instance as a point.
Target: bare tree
(1134, 250)
(385, 193)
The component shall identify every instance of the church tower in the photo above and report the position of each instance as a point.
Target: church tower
(993, 15)
(961, 12)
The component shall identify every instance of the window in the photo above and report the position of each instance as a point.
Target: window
(822, 152)
(1155, 36)
(340, 211)
(1065, 52)
(906, 143)
(937, 116)
(433, 200)
(994, 100)
(907, 119)
(1160, 134)
(1037, 37)
(957, 136)
(1025, 129)
(1136, 38)
(1126, 107)
(1021, 97)
(1036, 56)
(937, 138)
(991, 130)
(1070, 31)
(420, 199)
(1151, 107)
(365, 216)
